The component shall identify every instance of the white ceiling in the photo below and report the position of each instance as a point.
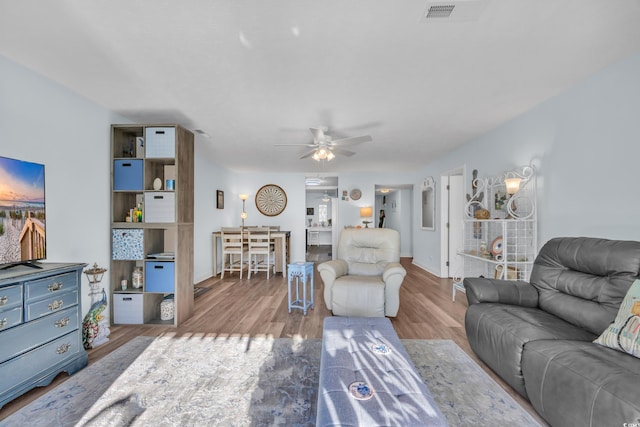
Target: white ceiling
(254, 73)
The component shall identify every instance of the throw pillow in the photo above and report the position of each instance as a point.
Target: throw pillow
(624, 333)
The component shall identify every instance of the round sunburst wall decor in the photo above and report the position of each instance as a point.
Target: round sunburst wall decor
(271, 200)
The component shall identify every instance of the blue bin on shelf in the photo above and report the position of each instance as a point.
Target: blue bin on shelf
(127, 175)
(159, 276)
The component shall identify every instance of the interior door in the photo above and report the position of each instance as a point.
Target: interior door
(456, 209)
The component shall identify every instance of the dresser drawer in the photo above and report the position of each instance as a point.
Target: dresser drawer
(10, 318)
(53, 285)
(10, 297)
(30, 335)
(51, 305)
(29, 365)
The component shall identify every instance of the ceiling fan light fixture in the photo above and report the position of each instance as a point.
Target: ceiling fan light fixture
(331, 156)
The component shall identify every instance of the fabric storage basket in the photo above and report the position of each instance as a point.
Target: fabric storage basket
(161, 143)
(127, 175)
(127, 243)
(160, 206)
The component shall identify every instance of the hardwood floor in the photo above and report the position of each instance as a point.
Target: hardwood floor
(259, 307)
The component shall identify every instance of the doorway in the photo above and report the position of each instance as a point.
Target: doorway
(394, 209)
(321, 217)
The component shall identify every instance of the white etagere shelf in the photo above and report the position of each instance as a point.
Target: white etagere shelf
(500, 228)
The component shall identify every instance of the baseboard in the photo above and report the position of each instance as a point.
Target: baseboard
(427, 269)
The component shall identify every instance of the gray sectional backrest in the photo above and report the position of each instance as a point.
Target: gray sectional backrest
(583, 280)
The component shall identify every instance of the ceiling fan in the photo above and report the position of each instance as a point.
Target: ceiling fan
(324, 147)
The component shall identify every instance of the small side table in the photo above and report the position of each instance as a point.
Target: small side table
(302, 273)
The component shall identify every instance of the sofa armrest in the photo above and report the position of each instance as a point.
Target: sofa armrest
(501, 291)
(329, 272)
(393, 275)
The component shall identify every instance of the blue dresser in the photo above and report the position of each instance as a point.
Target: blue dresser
(40, 326)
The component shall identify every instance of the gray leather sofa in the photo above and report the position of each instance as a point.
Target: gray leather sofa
(538, 336)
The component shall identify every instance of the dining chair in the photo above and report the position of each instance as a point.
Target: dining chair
(233, 251)
(261, 252)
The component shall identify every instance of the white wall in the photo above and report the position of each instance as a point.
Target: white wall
(43, 122)
(209, 176)
(585, 144)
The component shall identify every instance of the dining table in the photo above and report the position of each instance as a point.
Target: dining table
(281, 249)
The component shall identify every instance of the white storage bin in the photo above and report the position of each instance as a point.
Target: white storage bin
(159, 206)
(160, 143)
(127, 309)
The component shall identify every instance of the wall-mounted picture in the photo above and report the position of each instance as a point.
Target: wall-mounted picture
(309, 211)
(219, 199)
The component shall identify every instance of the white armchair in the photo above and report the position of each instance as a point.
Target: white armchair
(365, 279)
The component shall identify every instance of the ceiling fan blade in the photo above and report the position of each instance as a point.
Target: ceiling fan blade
(309, 154)
(342, 151)
(294, 145)
(352, 140)
(318, 133)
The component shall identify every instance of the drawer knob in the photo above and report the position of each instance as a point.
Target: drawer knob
(62, 322)
(3, 300)
(63, 348)
(3, 323)
(55, 305)
(55, 286)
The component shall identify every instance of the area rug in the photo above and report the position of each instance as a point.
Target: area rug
(241, 381)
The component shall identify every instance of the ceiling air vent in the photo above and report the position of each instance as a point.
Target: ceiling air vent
(453, 10)
(440, 11)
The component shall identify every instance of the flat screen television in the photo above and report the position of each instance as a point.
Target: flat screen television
(22, 213)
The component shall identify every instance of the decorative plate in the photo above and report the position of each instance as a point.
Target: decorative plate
(380, 348)
(360, 390)
(271, 200)
(496, 246)
(355, 194)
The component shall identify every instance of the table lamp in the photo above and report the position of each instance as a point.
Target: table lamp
(366, 212)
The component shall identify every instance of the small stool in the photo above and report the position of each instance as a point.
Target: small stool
(301, 272)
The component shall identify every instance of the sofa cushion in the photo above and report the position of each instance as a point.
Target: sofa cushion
(583, 280)
(359, 296)
(572, 383)
(497, 333)
(624, 333)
